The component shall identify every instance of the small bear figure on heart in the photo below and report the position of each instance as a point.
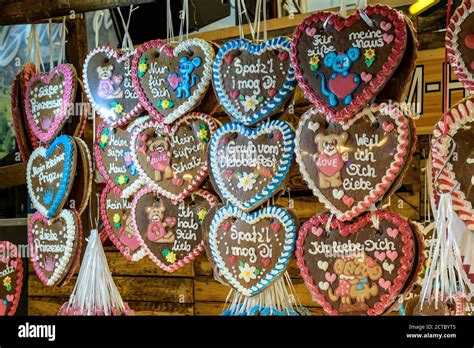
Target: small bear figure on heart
(330, 158)
(158, 225)
(109, 84)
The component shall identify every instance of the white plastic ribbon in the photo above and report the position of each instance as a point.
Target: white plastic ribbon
(184, 15)
(127, 43)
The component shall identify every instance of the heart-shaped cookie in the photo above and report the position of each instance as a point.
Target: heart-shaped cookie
(460, 43)
(342, 63)
(54, 245)
(248, 166)
(82, 186)
(114, 160)
(170, 81)
(172, 159)
(50, 175)
(11, 278)
(117, 218)
(170, 232)
(47, 101)
(457, 175)
(108, 83)
(252, 249)
(253, 81)
(356, 281)
(351, 166)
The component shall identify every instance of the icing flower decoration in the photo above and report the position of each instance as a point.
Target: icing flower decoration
(247, 272)
(127, 158)
(104, 137)
(314, 63)
(116, 220)
(142, 66)
(165, 104)
(246, 181)
(7, 283)
(249, 102)
(369, 56)
(117, 108)
(171, 257)
(203, 133)
(121, 180)
(202, 214)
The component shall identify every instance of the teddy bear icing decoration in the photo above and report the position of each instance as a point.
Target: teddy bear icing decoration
(331, 158)
(109, 84)
(158, 225)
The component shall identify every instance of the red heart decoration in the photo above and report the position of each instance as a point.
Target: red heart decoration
(329, 54)
(266, 261)
(362, 286)
(232, 259)
(276, 227)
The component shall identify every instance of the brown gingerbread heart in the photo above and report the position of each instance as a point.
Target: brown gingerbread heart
(82, 186)
(342, 63)
(11, 278)
(170, 232)
(172, 159)
(353, 267)
(351, 166)
(172, 80)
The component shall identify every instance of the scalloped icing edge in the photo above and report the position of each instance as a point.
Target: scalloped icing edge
(170, 130)
(66, 181)
(452, 48)
(24, 153)
(82, 145)
(70, 81)
(458, 116)
(130, 189)
(19, 270)
(119, 56)
(283, 94)
(407, 261)
(376, 84)
(386, 181)
(252, 133)
(135, 256)
(191, 255)
(274, 211)
(70, 218)
(198, 93)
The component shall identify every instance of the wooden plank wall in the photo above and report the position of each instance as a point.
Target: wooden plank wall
(193, 290)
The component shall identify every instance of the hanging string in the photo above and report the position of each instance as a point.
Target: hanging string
(62, 48)
(96, 24)
(38, 57)
(256, 22)
(51, 48)
(184, 15)
(169, 22)
(127, 43)
(242, 9)
(447, 73)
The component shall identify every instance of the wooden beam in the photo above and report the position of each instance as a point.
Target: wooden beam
(14, 175)
(28, 11)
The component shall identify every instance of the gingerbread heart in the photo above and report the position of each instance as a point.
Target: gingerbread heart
(253, 81)
(170, 232)
(457, 176)
(348, 267)
(172, 159)
(115, 161)
(82, 186)
(170, 81)
(107, 78)
(351, 166)
(11, 278)
(47, 101)
(248, 166)
(252, 249)
(460, 43)
(117, 218)
(50, 175)
(342, 63)
(54, 245)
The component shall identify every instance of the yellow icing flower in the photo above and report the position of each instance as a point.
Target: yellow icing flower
(103, 138)
(143, 67)
(202, 213)
(314, 60)
(369, 53)
(165, 103)
(7, 281)
(116, 218)
(122, 179)
(118, 109)
(202, 134)
(171, 257)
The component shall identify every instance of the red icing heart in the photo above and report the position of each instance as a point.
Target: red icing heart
(228, 58)
(226, 225)
(276, 227)
(283, 55)
(469, 41)
(358, 284)
(349, 201)
(271, 92)
(234, 94)
(328, 65)
(266, 261)
(232, 259)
